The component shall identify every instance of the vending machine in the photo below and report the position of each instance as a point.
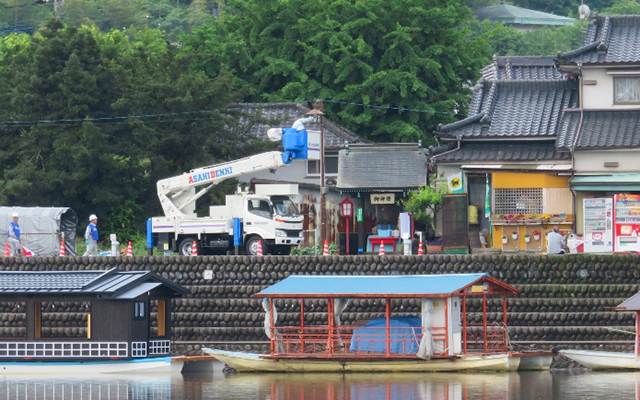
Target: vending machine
(598, 225)
(626, 222)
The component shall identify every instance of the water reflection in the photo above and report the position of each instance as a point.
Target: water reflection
(521, 386)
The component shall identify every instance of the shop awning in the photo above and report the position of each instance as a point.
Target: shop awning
(606, 183)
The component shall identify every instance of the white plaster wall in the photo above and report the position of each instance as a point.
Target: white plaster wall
(593, 160)
(600, 95)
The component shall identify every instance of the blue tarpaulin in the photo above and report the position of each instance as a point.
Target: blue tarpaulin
(405, 335)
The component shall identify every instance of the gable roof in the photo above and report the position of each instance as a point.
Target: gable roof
(522, 68)
(111, 283)
(285, 114)
(513, 151)
(392, 166)
(514, 109)
(601, 129)
(509, 14)
(380, 285)
(609, 39)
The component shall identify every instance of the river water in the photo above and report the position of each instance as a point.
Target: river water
(568, 385)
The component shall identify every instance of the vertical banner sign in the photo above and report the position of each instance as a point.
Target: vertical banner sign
(487, 200)
(454, 182)
(359, 214)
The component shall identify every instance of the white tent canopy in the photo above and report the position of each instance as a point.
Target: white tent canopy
(41, 228)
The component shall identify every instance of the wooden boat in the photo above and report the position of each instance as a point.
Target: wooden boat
(154, 365)
(603, 359)
(247, 362)
(114, 322)
(608, 359)
(452, 341)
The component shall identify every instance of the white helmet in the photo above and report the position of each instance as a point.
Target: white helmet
(15, 214)
(92, 217)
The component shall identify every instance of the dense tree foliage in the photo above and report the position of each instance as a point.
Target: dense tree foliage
(415, 54)
(93, 120)
(507, 41)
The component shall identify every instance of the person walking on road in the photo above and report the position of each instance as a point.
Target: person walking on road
(13, 236)
(91, 236)
(555, 242)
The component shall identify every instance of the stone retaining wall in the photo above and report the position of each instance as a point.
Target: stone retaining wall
(564, 300)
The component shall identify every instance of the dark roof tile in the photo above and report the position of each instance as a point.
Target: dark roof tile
(389, 166)
(600, 129)
(522, 68)
(104, 283)
(609, 39)
(285, 114)
(504, 151)
(517, 109)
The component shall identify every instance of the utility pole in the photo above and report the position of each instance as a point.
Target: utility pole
(317, 111)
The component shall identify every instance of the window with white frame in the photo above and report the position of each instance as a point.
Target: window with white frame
(626, 90)
(518, 201)
(330, 166)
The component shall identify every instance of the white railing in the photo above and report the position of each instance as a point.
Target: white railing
(138, 349)
(159, 347)
(63, 349)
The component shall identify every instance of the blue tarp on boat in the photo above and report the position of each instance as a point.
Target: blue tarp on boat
(405, 335)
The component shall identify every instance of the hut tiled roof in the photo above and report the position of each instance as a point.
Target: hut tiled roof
(285, 114)
(107, 283)
(382, 167)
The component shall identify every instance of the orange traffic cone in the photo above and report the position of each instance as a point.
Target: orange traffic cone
(381, 252)
(62, 252)
(129, 250)
(325, 249)
(194, 249)
(7, 250)
(420, 249)
(259, 249)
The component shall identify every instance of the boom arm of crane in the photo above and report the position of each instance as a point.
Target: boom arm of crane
(178, 194)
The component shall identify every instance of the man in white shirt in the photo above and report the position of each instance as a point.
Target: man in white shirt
(555, 242)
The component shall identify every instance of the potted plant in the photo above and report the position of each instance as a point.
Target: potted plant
(514, 235)
(536, 235)
(527, 238)
(505, 239)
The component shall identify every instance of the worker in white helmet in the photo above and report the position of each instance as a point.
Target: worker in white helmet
(91, 236)
(13, 236)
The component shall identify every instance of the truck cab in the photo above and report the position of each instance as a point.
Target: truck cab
(273, 219)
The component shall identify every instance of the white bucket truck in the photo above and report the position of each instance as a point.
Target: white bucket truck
(268, 215)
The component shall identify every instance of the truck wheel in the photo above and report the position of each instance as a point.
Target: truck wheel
(251, 247)
(185, 247)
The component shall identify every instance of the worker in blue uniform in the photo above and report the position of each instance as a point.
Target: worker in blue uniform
(13, 236)
(91, 236)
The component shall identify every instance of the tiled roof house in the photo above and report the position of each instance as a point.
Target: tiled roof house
(603, 132)
(509, 139)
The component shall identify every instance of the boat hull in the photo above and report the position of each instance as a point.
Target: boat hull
(248, 362)
(155, 365)
(603, 359)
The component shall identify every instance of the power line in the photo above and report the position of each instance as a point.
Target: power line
(228, 109)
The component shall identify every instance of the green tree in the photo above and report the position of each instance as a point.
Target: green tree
(423, 204)
(415, 54)
(69, 88)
